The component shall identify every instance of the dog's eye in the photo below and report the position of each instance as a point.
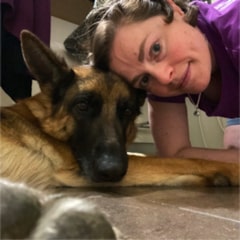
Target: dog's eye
(125, 109)
(86, 105)
(81, 106)
(128, 112)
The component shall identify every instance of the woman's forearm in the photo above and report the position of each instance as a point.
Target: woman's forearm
(223, 155)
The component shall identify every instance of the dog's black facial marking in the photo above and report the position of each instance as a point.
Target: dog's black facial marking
(102, 152)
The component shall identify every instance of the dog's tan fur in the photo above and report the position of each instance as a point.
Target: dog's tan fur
(35, 133)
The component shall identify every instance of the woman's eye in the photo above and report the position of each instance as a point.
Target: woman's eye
(156, 48)
(144, 82)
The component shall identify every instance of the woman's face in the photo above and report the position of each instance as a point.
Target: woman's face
(165, 59)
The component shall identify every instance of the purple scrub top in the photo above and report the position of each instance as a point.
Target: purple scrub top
(220, 23)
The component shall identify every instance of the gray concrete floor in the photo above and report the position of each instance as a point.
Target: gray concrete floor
(171, 214)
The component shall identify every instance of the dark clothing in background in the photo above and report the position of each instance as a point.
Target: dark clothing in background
(17, 15)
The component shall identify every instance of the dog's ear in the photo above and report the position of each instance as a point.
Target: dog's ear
(141, 94)
(43, 63)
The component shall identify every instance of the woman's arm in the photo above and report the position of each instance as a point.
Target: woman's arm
(169, 126)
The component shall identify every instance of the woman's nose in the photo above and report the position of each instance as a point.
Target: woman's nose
(162, 72)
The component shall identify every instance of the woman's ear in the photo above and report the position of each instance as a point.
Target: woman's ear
(175, 7)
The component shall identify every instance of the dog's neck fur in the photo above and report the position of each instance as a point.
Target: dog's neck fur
(21, 108)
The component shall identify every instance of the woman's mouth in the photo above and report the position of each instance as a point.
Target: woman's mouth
(186, 77)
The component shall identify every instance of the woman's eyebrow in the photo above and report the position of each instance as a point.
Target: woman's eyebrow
(141, 50)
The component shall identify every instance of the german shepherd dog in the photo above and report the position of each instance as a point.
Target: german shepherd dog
(75, 133)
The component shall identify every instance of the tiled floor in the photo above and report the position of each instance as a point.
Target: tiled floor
(171, 214)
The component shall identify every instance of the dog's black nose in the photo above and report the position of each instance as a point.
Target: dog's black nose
(110, 169)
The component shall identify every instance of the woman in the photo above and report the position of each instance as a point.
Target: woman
(173, 51)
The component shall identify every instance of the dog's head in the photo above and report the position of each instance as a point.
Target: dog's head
(92, 111)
